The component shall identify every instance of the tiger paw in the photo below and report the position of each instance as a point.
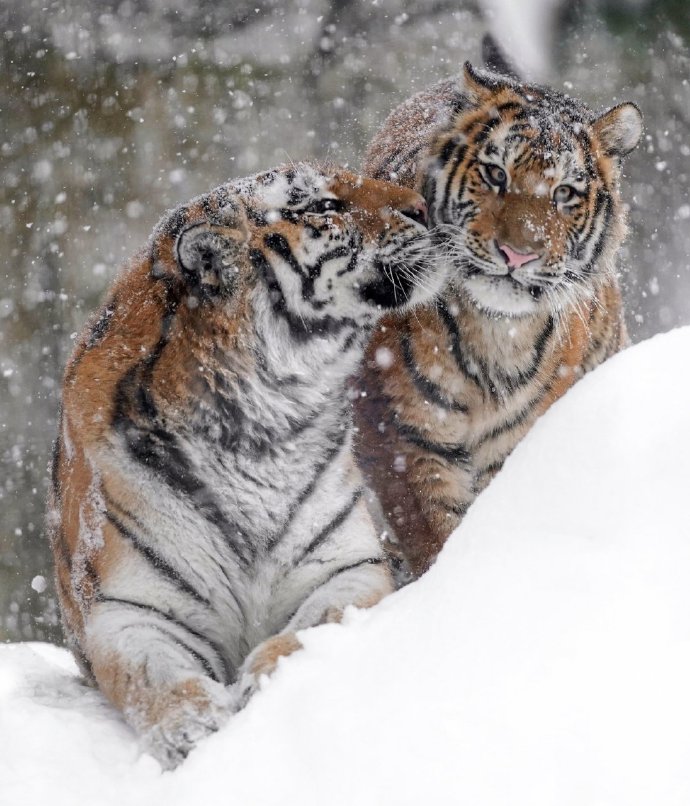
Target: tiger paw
(261, 663)
(187, 721)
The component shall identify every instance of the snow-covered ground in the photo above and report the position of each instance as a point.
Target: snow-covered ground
(545, 659)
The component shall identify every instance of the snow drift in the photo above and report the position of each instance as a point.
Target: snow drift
(544, 659)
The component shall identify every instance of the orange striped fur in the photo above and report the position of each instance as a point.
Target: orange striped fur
(522, 186)
(206, 504)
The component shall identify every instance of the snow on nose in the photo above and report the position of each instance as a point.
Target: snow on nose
(516, 259)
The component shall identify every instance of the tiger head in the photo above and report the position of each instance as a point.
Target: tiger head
(318, 247)
(523, 187)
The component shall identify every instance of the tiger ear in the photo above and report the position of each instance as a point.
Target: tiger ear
(619, 130)
(210, 255)
(481, 85)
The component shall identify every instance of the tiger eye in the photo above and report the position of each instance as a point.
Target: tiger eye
(496, 175)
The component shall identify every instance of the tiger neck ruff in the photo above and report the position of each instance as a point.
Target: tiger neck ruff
(522, 185)
(205, 501)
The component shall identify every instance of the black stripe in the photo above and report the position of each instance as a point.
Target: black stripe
(429, 190)
(494, 467)
(110, 503)
(335, 573)
(279, 244)
(159, 451)
(218, 652)
(314, 271)
(450, 175)
(308, 489)
(301, 329)
(157, 561)
(352, 263)
(350, 341)
(485, 129)
(323, 535)
(457, 508)
(169, 226)
(137, 383)
(455, 453)
(208, 207)
(540, 349)
(257, 217)
(599, 246)
(459, 205)
(390, 157)
(407, 157)
(512, 106)
(508, 425)
(455, 344)
(589, 223)
(297, 427)
(134, 416)
(513, 382)
(198, 657)
(398, 155)
(345, 568)
(448, 149)
(100, 325)
(427, 388)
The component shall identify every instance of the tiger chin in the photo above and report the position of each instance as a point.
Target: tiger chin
(522, 184)
(205, 501)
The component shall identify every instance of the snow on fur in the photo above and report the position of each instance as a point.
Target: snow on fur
(543, 660)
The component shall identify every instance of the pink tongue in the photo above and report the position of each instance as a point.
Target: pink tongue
(516, 259)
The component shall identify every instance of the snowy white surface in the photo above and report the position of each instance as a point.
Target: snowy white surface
(545, 659)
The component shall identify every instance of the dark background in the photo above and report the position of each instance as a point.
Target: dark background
(113, 112)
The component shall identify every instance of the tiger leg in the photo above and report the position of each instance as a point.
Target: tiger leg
(424, 501)
(361, 585)
(165, 679)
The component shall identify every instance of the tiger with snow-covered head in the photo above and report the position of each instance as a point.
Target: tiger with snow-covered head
(522, 184)
(205, 500)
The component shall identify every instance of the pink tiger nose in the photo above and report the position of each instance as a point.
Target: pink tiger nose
(515, 259)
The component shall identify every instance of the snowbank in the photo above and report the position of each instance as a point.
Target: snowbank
(545, 659)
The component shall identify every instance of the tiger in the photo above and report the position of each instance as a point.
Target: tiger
(522, 184)
(205, 501)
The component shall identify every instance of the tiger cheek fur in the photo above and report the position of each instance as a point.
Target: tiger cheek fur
(522, 185)
(205, 501)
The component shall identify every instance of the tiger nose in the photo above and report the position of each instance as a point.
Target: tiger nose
(418, 212)
(516, 259)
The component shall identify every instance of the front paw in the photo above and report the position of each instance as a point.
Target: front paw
(261, 663)
(244, 689)
(187, 720)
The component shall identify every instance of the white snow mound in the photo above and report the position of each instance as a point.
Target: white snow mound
(545, 658)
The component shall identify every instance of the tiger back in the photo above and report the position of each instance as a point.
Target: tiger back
(205, 500)
(522, 184)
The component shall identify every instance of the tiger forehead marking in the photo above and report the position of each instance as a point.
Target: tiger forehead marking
(205, 501)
